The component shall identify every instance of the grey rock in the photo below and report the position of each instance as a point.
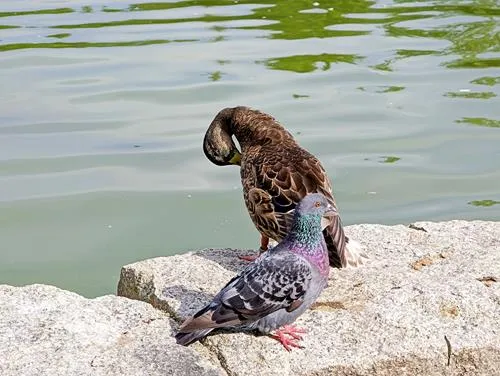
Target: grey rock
(48, 331)
(422, 283)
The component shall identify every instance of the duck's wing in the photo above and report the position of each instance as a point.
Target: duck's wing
(274, 183)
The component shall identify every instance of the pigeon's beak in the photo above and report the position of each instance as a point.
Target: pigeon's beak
(330, 212)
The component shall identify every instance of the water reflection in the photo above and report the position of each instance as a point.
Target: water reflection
(482, 122)
(105, 104)
(382, 89)
(488, 81)
(471, 95)
(309, 63)
(484, 203)
(475, 35)
(22, 46)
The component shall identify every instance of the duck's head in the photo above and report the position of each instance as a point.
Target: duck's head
(218, 144)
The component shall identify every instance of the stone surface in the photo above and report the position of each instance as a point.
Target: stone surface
(48, 331)
(423, 283)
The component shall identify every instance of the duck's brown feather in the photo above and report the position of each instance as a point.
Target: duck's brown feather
(275, 177)
(276, 173)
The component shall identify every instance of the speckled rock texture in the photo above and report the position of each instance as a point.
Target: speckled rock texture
(48, 331)
(427, 303)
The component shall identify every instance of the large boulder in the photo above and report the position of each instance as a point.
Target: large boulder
(427, 303)
(48, 331)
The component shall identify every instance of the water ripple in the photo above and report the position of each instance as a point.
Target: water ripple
(105, 104)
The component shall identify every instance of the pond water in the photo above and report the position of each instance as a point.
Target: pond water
(104, 106)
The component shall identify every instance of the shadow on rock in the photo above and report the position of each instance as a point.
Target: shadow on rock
(227, 257)
(191, 301)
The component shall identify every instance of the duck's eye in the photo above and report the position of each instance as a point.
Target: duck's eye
(317, 204)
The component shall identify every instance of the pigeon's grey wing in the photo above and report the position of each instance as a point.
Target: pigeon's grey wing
(274, 282)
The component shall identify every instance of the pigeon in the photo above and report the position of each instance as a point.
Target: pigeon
(271, 292)
(276, 173)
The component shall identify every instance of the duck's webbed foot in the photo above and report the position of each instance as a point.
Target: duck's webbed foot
(264, 243)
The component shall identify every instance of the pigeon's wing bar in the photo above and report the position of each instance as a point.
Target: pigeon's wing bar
(270, 284)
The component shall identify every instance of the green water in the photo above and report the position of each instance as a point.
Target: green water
(103, 107)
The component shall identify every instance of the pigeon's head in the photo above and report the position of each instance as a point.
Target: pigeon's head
(316, 204)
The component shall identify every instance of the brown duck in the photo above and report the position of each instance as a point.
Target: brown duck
(276, 173)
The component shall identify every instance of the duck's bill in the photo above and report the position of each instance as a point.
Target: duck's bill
(235, 159)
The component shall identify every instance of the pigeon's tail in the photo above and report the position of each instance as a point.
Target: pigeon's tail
(200, 324)
(188, 338)
(342, 251)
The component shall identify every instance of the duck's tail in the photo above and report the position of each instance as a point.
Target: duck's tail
(343, 252)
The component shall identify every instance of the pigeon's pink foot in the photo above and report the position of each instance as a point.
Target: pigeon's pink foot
(248, 258)
(293, 332)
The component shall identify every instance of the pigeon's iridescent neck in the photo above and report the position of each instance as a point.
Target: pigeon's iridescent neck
(306, 239)
(306, 230)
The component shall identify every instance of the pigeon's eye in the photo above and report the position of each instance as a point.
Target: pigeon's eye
(317, 204)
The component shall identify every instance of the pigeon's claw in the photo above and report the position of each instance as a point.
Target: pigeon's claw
(293, 339)
(294, 331)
